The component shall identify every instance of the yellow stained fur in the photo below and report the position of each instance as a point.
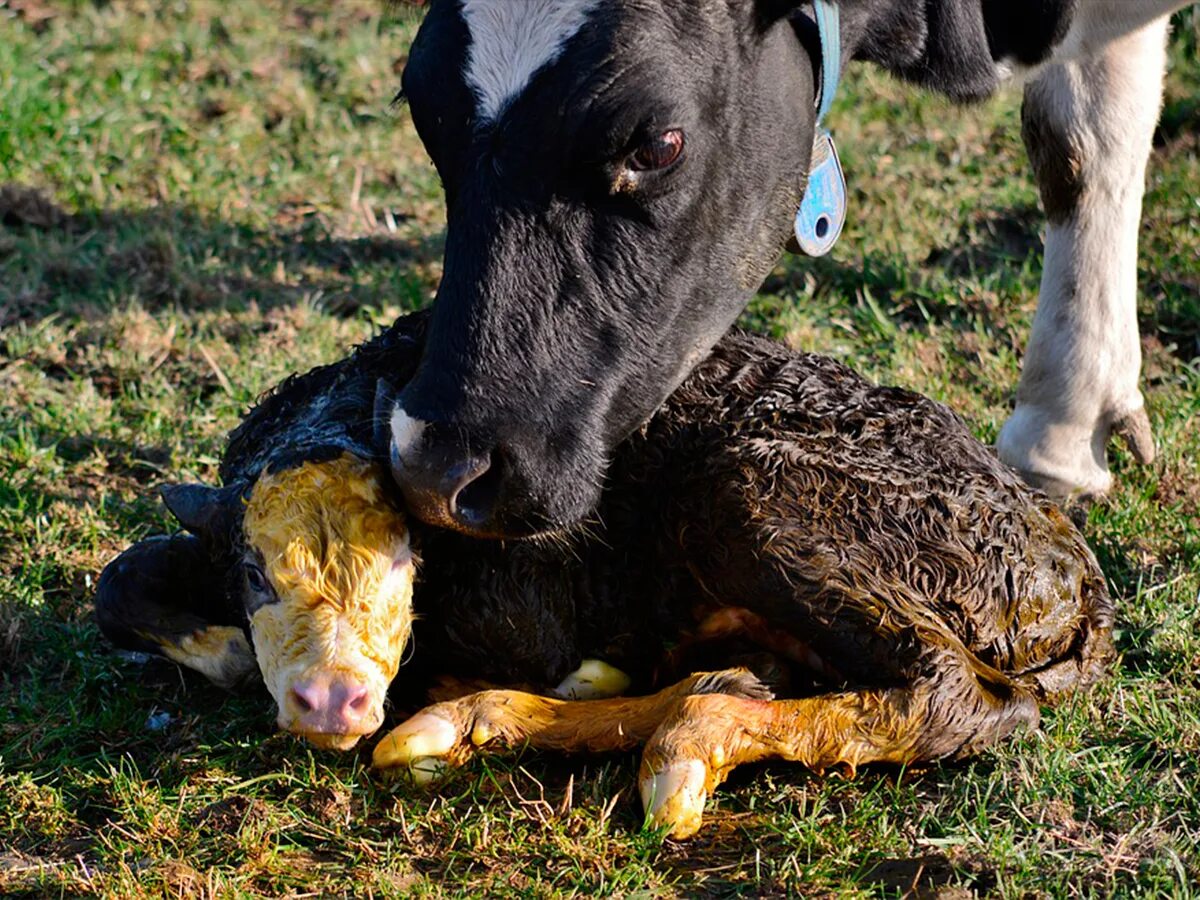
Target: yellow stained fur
(337, 553)
(219, 652)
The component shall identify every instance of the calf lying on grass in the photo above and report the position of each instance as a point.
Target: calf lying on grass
(905, 592)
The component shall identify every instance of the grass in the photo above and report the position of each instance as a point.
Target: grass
(224, 196)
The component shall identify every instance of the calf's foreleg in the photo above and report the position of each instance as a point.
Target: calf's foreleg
(164, 596)
(450, 733)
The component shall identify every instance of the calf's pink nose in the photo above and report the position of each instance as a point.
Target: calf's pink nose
(330, 706)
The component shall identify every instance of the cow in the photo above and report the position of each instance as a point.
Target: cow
(621, 175)
(788, 562)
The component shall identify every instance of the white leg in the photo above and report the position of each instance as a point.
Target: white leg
(1088, 125)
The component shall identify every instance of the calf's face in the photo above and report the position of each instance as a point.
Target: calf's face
(619, 177)
(328, 578)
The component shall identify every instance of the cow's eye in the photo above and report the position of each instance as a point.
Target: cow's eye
(658, 152)
(259, 587)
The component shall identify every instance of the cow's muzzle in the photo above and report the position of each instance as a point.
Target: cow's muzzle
(450, 486)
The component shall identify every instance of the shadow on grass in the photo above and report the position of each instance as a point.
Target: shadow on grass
(55, 261)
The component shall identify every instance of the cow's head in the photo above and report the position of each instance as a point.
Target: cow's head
(620, 175)
(322, 565)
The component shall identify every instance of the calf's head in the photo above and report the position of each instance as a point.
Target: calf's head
(320, 563)
(619, 177)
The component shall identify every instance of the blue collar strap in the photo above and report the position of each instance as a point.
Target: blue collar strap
(830, 35)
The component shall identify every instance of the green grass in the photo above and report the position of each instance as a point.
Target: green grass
(232, 198)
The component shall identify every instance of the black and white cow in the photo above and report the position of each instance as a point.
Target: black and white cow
(620, 175)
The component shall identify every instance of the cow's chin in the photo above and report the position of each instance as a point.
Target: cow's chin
(331, 741)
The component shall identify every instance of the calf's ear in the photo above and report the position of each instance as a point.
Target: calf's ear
(207, 512)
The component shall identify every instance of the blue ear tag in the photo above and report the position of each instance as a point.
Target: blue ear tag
(822, 211)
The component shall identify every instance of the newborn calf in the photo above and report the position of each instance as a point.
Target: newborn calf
(298, 569)
(904, 593)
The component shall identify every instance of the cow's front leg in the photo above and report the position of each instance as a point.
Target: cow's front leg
(449, 733)
(960, 709)
(1088, 125)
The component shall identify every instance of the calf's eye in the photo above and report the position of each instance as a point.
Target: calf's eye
(658, 152)
(259, 592)
(256, 580)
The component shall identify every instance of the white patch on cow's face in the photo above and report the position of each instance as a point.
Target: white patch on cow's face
(406, 431)
(511, 40)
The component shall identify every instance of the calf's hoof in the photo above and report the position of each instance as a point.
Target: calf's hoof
(689, 756)
(1068, 460)
(593, 680)
(422, 744)
(673, 796)
(447, 734)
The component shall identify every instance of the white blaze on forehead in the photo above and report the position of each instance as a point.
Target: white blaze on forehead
(511, 40)
(406, 430)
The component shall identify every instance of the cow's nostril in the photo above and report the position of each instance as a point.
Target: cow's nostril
(475, 501)
(460, 476)
(447, 485)
(303, 704)
(349, 701)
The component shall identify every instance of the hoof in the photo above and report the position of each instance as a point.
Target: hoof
(427, 769)
(1134, 430)
(593, 680)
(1067, 460)
(674, 797)
(450, 733)
(422, 744)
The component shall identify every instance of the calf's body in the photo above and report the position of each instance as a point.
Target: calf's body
(904, 593)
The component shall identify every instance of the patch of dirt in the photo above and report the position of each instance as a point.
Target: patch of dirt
(232, 814)
(21, 874)
(931, 356)
(925, 878)
(183, 880)
(1177, 488)
(332, 805)
(34, 13)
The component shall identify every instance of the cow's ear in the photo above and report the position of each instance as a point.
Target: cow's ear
(385, 401)
(207, 512)
(768, 12)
